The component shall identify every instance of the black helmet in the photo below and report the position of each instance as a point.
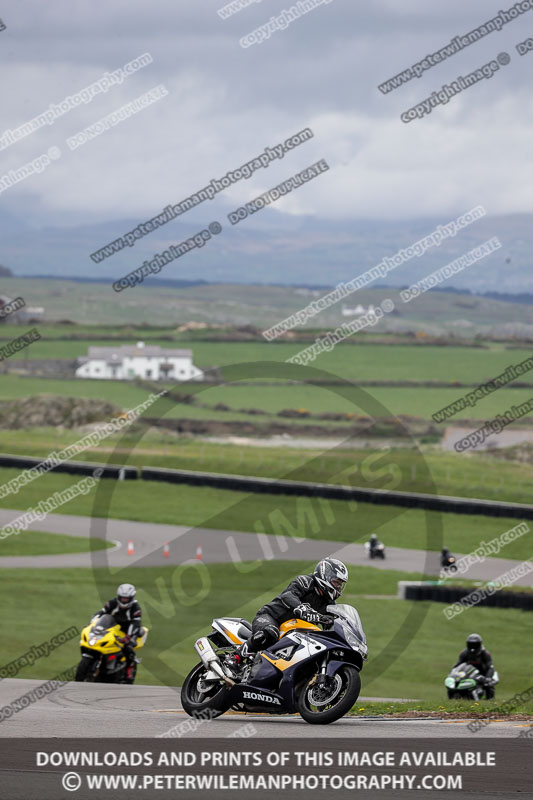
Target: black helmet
(474, 644)
(126, 595)
(331, 575)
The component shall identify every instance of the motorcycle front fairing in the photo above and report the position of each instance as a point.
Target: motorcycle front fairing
(343, 643)
(272, 688)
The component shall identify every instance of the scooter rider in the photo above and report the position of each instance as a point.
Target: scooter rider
(475, 654)
(306, 597)
(127, 612)
(446, 558)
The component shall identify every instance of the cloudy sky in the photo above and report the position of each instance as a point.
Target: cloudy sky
(226, 103)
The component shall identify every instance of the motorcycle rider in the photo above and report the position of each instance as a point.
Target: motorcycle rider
(374, 542)
(475, 654)
(306, 598)
(446, 558)
(127, 612)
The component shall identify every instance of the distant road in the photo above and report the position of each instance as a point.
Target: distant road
(220, 546)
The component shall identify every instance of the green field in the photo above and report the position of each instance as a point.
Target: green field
(37, 543)
(267, 401)
(263, 305)
(333, 520)
(427, 469)
(369, 362)
(179, 603)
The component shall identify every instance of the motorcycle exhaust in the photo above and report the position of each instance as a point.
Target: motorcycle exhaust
(205, 650)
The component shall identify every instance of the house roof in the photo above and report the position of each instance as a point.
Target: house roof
(118, 353)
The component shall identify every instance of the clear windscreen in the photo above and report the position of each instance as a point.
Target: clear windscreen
(102, 624)
(349, 614)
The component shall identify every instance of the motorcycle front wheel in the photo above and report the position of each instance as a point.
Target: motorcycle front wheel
(322, 705)
(194, 700)
(84, 670)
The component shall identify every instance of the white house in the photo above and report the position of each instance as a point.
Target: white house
(350, 312)
(138, 361)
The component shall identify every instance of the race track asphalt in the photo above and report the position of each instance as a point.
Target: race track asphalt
(105, 710)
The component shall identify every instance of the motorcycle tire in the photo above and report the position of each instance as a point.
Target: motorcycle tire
(131, 680)
(193, 700)
(84, 670)
(351, 683)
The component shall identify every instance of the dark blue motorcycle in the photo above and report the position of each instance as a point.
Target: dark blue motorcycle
(312, 671)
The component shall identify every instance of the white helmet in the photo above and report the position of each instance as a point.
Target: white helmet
(126, 595)
(331, 576)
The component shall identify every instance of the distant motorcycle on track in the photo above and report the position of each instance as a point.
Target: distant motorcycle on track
(102, 656)
(448, 562)
(465, 682)
(375, 548)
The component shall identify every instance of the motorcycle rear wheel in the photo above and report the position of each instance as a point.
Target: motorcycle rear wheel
(343, 697)
(193, 700)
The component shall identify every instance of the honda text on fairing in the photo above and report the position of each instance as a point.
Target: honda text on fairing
(308, 670)
(102, 651)
(466, 682)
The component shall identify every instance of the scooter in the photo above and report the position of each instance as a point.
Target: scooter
(448, 563)
(308, 670)
(102, 652)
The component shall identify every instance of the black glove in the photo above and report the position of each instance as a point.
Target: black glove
(306, 613)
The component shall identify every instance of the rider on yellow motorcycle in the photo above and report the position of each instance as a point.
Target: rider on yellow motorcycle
(127, 612)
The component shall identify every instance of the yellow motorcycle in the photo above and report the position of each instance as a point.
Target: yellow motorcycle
(102, 652)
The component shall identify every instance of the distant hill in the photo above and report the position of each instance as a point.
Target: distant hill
(276, 248)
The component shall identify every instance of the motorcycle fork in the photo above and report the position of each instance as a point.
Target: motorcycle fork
(96, 672)
(322, 676)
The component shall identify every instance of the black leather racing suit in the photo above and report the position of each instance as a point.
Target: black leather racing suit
(483, 662)
(265, 626)
(129, 620)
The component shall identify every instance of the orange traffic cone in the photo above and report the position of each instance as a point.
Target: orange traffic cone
(131, 549)
(199, 553)
(166, 550)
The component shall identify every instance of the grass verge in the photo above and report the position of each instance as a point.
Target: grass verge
(179, 603)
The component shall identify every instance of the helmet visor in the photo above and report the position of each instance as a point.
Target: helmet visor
(124, 601)
(338, 585)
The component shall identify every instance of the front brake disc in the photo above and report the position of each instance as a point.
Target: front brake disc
(321, 696)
